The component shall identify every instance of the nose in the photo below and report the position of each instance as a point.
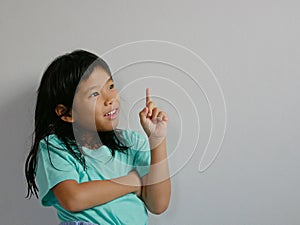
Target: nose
(110, 96)
(109, 100)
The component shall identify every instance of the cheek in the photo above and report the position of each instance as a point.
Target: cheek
(85, 112)
(98, 113)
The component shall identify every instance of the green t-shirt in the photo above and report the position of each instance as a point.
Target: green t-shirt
(57, 165)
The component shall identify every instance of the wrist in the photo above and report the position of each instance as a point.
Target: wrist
(156, 142)
(134, 181)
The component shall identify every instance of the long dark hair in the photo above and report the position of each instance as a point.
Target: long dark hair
(58, 86)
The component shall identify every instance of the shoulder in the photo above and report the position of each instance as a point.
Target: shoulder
(135, 139)
(52, 142)
(52, 145)
(132, 136)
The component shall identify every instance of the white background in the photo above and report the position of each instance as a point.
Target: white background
(253, 49)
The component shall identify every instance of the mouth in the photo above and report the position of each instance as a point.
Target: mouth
(112, 114)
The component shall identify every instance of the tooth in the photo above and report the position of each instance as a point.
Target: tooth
(112, 112)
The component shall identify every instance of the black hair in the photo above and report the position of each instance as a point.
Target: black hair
(58, 86)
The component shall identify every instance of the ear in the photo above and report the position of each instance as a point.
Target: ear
(60, 109)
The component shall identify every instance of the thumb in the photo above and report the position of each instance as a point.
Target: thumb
(143, 115)
(145, 121)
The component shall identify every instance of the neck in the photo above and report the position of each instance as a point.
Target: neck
(89, 140)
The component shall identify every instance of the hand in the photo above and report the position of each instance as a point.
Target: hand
(153, 120)
(136, 182)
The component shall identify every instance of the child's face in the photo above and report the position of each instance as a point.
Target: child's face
(96, 103)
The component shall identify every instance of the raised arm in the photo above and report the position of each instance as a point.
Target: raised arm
(156, 189)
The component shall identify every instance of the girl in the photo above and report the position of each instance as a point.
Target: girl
(80, 163)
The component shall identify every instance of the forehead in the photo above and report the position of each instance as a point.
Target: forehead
(96, 79)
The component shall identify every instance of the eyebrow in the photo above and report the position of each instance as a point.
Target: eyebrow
(95, 86)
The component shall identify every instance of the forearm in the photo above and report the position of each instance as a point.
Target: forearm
(156, 184)
(75, 196)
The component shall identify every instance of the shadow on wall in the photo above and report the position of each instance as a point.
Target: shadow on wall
(16, 120)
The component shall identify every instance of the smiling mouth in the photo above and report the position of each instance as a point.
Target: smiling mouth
(112, 114)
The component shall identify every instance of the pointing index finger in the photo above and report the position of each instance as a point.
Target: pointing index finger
(148, 97)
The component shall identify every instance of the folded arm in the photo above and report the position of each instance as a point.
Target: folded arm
(74, 196)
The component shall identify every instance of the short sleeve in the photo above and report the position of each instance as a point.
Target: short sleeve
(142, 156)
(54, 165)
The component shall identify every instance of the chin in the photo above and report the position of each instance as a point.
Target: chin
(108, 128)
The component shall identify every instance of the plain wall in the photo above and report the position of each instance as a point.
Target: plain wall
(246, 79)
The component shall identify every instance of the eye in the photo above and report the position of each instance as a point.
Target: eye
(95, 94)
(112, 86)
